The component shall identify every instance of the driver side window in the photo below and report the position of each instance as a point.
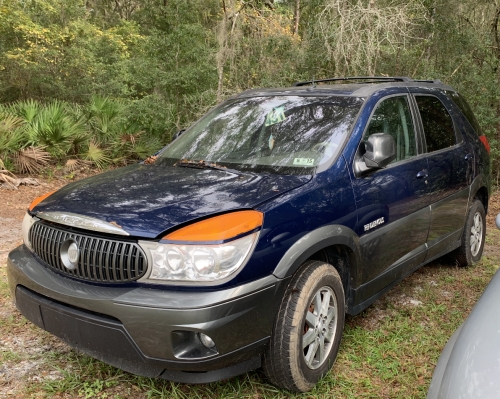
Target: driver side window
(392, 116)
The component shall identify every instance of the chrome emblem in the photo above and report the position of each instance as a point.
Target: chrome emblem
(73, 253)
(375, 223)
(70, 254)
(82, 222)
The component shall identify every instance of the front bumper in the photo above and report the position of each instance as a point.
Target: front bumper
(134, 328)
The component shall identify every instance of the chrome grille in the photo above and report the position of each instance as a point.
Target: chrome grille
(101, 260)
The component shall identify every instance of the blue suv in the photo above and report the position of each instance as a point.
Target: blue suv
(244, 242)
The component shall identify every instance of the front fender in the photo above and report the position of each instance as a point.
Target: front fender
(315, 241)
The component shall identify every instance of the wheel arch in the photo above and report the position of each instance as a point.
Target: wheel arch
(334, 244)
(482, 195)
(480, 189)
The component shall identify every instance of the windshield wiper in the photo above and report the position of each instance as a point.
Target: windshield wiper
(186, 163)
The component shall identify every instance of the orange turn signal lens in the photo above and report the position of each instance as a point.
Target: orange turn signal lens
(39, 199)
(219, 228)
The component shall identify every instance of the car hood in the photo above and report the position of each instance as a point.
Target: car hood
(147, 200)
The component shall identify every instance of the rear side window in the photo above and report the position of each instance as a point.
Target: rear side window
(438, 125)
(466, 110)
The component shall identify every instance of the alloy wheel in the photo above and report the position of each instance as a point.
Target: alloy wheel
(320, 327)
(476, 234)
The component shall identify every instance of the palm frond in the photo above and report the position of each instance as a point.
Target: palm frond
(55, 128)
(73, 164)
(145, 147)
(102, 115)
(12, 133)
(9, 122)
(96, 155)
(8, 179)
(31, 160)
(27, 109)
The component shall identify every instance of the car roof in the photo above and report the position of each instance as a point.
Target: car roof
(326, 87)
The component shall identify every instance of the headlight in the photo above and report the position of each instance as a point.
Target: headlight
(29, 220)
(27, 223)
(198, 262)
(208, 250)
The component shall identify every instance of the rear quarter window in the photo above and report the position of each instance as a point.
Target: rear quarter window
(466, 110)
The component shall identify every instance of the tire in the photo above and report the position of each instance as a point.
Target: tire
(473, 236)
(287, 363)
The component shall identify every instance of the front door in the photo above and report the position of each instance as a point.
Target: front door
(392, 203)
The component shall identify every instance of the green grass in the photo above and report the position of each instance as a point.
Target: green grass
(9, 356)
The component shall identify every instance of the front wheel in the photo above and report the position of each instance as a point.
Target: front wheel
(308, 328)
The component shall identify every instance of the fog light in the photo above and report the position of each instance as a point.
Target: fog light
(207, 341)
(192, 345)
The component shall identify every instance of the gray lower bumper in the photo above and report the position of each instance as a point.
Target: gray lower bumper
(131, 327)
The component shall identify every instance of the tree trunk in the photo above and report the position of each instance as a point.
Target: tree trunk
(220, 56)
(296, 17)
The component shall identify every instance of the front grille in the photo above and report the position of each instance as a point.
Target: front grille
(101, 260)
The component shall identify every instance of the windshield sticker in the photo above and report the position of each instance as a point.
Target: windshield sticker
(304, 161)
(271, 142)
(277, 115)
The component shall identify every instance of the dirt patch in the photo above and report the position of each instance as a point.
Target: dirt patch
(22, 347)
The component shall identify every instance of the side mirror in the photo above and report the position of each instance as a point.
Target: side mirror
(380, 150)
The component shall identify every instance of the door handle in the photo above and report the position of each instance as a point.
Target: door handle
(468, 157)
(423, 174)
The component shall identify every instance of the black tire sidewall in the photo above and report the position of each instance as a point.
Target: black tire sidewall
(312, 376)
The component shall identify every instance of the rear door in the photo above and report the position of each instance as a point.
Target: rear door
(450, 169)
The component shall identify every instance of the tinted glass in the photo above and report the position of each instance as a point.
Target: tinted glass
(287, 134)
(393, 116)
(437, 122)
(466, 110)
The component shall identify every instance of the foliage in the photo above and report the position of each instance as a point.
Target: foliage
(128, 74)
(33, 134)
(11, 133)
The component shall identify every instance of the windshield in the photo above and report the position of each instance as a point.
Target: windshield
(285, 134)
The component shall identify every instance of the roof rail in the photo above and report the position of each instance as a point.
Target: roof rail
(428, 81)
(374, 78)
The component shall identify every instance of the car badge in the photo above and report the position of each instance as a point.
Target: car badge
(70, 254)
